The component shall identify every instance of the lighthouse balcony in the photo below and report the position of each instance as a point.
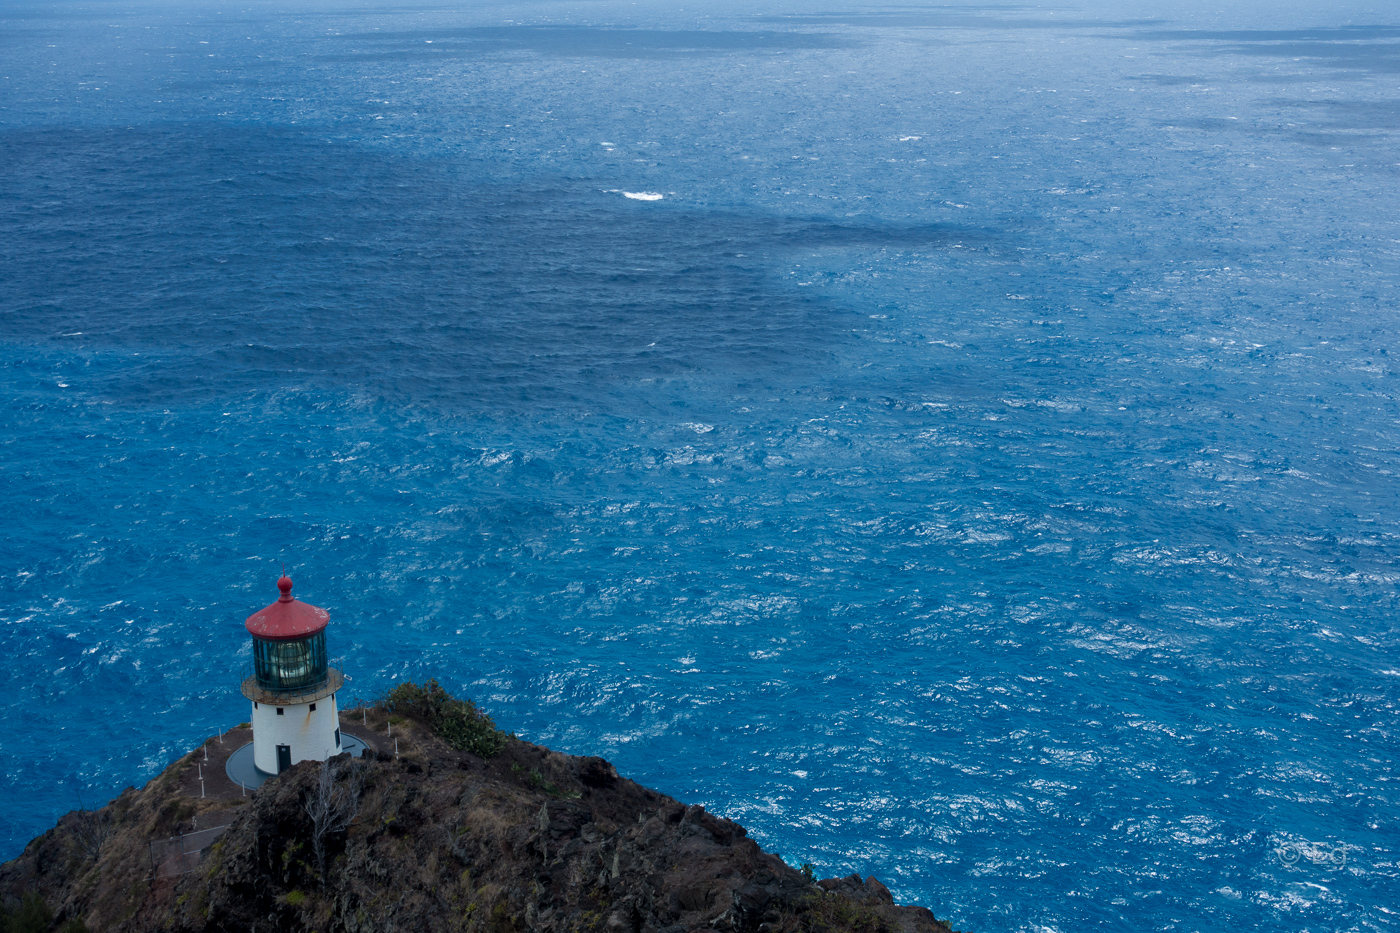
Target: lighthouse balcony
(260, 692)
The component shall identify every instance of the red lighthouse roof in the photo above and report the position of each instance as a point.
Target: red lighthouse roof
(288, 617)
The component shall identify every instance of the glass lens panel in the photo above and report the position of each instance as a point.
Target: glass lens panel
(285, 665)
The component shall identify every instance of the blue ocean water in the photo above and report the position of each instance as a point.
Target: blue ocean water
(958, 441)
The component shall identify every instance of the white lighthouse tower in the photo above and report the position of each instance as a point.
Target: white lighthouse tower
(292, 687)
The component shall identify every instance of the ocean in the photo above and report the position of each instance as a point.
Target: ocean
(957, 441)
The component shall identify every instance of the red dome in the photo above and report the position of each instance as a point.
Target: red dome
(288, 617)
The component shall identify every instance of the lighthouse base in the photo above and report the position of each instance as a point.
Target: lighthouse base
(242, 771)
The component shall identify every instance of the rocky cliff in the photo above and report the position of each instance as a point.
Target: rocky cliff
(428, 838)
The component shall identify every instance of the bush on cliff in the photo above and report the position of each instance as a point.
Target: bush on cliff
(27, 915)
(30, 914)
(457, 722)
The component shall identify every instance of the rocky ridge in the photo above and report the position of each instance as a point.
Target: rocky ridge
(430, 838)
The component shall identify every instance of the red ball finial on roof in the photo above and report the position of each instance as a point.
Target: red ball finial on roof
(287, 618)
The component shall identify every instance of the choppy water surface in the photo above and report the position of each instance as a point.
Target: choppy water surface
(957, 441)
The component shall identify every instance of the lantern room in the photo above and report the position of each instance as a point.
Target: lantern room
(289, 643)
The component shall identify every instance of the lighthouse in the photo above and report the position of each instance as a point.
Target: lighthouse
(292, 687)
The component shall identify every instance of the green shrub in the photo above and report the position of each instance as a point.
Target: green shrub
(457, 722)
(29, 915)
(839, 912)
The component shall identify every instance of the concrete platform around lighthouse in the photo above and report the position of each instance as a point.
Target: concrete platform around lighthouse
(243, 772)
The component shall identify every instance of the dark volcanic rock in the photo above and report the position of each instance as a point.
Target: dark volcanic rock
(439, 840)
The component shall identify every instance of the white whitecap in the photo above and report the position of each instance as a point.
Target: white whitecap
(642, 195)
